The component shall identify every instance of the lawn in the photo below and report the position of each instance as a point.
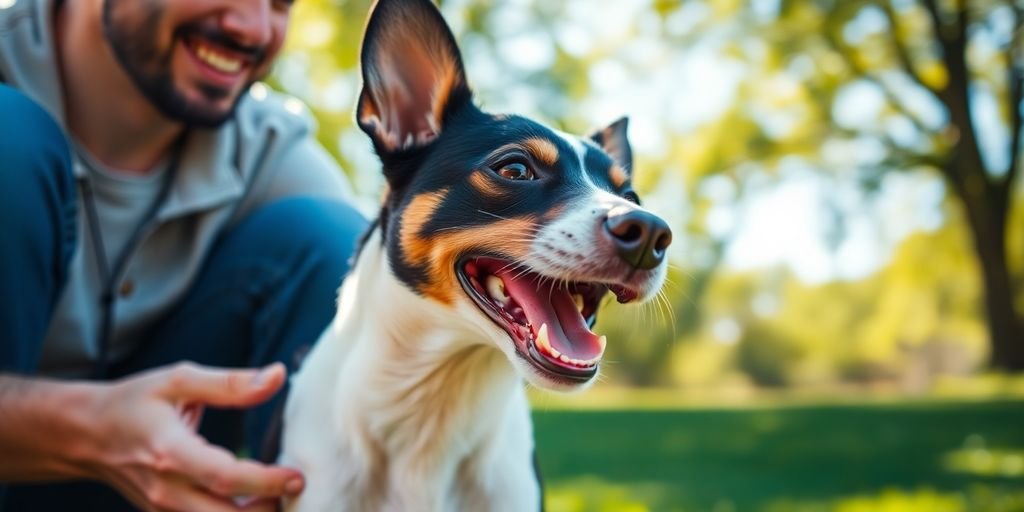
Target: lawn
(914, 456)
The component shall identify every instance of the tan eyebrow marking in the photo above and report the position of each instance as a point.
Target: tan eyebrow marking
(543, 150)
(618, 175)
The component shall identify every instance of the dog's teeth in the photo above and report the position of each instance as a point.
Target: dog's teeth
(564, 358)
(579, 302)
(496, 289)
(432, 123)
(409, 141)
(542, 339)
(601, 342)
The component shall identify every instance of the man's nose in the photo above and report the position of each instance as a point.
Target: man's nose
(248, 22)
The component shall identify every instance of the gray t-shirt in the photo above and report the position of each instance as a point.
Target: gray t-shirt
(121, 200)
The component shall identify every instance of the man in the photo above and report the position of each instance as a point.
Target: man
(156, 207)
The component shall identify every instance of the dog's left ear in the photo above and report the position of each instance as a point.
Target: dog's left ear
(613, 141)
(412, 75)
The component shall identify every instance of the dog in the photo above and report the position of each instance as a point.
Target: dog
(496, 241)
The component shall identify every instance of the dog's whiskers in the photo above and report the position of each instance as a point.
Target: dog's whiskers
(495, 215)
(663, 299)
(510, 266)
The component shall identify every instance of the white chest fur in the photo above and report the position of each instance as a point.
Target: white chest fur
(400, 407)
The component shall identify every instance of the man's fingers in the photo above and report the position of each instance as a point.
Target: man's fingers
(222, 387)
(180, 495)
(259, 504)
(218, 471)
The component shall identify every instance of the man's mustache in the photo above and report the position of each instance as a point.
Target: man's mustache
(219, 38)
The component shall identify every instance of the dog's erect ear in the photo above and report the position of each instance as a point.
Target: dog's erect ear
(613, 141)
(412, 75)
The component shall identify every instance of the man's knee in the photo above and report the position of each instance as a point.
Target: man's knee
(35, 161)
(326, 227)
(37, 203)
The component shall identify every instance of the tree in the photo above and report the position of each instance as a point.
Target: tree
(960, 53)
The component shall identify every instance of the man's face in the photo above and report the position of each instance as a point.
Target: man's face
(193, 59)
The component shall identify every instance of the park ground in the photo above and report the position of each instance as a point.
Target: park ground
(905, 455)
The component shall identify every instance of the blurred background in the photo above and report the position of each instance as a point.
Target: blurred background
(843, 327)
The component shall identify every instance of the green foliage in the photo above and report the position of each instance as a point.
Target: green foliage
(769, 355)
(834, 458)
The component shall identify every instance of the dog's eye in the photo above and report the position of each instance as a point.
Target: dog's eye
(631, 196)
(515, 171)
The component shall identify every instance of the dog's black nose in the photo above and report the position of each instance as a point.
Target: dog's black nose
(640, 237)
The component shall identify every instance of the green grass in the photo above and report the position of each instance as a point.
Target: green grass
(915, 456)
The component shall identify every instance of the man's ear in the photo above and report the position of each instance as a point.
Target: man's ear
(412, 75)
(613, 141)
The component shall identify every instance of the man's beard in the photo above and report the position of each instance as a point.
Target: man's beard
(134, 47)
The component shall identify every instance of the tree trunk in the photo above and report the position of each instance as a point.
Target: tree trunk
(988, 220)
(987, 212)
(1006, 334)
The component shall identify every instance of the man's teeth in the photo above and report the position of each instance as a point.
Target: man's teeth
(216, 60)
(543, 344)
(496, 289)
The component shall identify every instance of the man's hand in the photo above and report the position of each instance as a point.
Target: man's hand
(139, 435)
(142, 441)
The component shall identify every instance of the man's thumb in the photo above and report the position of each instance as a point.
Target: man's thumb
(224, 387)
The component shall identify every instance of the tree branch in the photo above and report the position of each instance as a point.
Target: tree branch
(891, 96)
(966, 163)
(940, 35)
(961, 20)
(910, 158)
(1015, 90)
(936, 16)
(900, 46)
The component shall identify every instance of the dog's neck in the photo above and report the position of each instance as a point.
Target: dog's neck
(417, 386)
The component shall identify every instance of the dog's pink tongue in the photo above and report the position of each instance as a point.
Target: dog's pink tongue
(545, 303)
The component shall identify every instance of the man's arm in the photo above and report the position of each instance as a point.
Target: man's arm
(43, 429)
(138, 435)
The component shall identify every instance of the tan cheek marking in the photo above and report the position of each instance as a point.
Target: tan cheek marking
(618, 176)
(415, 249)
(438, 253)
(508, 237)
(543, 150)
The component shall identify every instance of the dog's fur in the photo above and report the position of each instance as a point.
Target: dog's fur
(413, 397)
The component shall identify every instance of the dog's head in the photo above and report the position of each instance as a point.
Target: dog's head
(517, 227)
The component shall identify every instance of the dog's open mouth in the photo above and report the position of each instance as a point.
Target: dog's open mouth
(549, 319)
